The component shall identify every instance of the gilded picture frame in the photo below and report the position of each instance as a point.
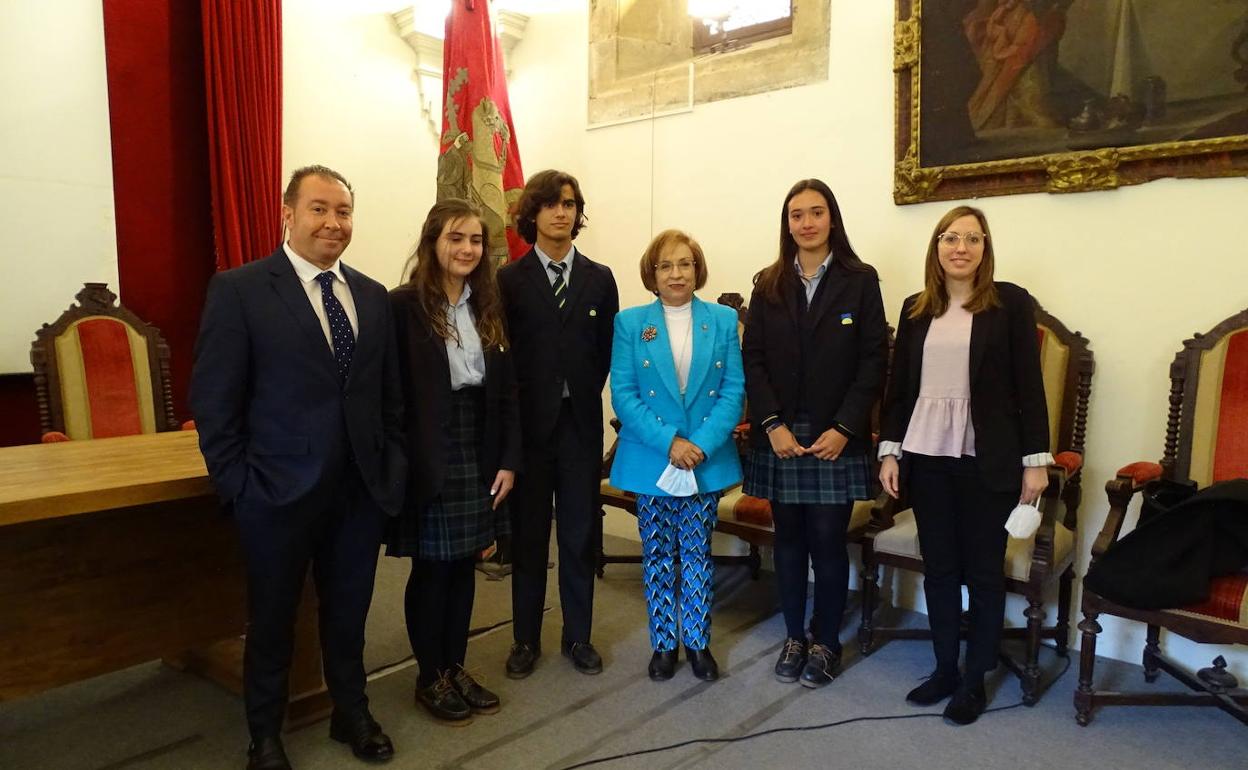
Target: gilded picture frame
(999, 97)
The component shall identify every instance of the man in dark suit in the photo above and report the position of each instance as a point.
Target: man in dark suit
(560, 312)
(296, 397)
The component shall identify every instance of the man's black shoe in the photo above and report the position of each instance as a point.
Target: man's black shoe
(521, 659)
(939, 685)
(792, 660)
(584, 657)
(703, 664)
(662, 665)
(362, 733)
(267, 754)
(966, 705)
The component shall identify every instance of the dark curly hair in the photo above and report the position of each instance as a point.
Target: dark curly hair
(544, 189)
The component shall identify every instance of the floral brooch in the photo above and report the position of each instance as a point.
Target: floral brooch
(649, 333)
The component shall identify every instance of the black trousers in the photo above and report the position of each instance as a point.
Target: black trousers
(812, 537)
(339, 534)
(438, 609)
(566, 472)
(962, 535)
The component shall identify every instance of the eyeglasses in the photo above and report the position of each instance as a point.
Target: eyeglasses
(951, 240)
(684, 266)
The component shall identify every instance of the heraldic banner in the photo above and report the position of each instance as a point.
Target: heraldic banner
(479, 159)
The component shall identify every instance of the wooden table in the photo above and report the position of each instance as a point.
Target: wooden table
(114, 552)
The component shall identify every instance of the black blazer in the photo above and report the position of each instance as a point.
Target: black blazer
(553, 346)
(846, 355)
(276, 426)
(425, 375)
(1008, 410)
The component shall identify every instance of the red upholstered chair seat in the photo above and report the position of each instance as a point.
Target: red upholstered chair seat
(1227, 602)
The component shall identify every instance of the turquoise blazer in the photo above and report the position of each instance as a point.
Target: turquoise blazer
(646, 397)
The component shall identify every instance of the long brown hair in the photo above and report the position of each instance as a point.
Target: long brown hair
(773, 278)
(934, 299)
(425, 276)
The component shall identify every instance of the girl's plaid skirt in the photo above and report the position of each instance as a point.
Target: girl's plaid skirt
(460, 521)
(806, 479)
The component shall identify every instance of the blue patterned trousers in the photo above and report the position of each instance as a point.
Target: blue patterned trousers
(677, 530)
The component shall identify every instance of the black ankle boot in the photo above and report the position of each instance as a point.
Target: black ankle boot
(662, 665)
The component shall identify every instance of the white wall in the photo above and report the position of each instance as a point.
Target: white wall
(1137, 270)
(350, 102)
(56, 171)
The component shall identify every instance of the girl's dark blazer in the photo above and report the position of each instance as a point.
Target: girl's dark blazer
(1008, 410)
(847, 355)
(425, 376)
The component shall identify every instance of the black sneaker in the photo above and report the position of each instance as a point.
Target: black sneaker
(966, 705)
(938, 686)
(479, 699)
(444, 703)
(822, 663)
(792, 660)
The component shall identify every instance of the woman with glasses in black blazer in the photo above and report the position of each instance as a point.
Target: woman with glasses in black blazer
(815, 350)
(965, 428)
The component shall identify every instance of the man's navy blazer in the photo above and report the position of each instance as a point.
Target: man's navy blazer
(552, 346)
(276, 425)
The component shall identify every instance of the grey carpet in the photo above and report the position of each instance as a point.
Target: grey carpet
(151, 717)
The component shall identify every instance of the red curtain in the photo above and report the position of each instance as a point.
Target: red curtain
(155, 65)
(243, 77)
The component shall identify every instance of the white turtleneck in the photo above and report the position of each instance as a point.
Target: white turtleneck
(680, 335)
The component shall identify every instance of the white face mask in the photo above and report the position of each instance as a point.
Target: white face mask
(677, 482)
(1023, 522)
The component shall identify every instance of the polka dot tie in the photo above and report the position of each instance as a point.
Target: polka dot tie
(339, 326)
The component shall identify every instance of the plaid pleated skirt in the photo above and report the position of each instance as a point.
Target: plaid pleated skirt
(460, 521)
(806, 479)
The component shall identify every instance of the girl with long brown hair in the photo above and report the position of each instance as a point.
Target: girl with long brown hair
(463, 444)
(815, 349)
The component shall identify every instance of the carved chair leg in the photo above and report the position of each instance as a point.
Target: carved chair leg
(1064, 593)
(1084, 694)
(1152, 648)
(870, 588)
(1031, 667)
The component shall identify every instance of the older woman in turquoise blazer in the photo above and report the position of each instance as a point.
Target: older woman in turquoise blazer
(677, 386)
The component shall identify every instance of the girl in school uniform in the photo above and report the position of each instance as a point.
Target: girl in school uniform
(463, 443)
(815, 351)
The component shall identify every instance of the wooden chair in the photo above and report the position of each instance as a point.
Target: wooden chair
(1031, 565)
(100, 371)
(1204, 444)
(743, 516)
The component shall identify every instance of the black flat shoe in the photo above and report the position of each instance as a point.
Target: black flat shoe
(479, 699)
(267, 754)
(662, 665)
(937, 687)
(966, 705)
(444, 703)
(521, 659)
(362, 733)
(822, 665)
(584, 657)
(792, 660)
(703, 664)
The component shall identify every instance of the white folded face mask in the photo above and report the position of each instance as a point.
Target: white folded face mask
(677, 482)
(1023, 522)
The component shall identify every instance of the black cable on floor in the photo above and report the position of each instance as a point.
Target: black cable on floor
(806, 728)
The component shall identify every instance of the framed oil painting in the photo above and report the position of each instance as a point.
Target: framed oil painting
(996, 97)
